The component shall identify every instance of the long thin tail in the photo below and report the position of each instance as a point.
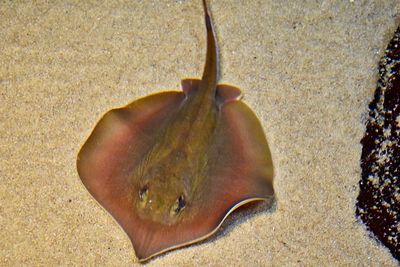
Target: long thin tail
(211, 68)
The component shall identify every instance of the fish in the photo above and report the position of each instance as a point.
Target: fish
(171, 166)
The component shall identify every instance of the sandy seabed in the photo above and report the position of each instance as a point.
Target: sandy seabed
(307, 68)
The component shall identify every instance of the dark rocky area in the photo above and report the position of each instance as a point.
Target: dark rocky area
(378, 204)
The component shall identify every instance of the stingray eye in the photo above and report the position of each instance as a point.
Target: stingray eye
(178, 206)
(143, 193)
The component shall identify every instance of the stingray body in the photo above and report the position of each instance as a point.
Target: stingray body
(170, 167)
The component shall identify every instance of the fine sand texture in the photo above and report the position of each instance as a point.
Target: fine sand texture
(307, 68)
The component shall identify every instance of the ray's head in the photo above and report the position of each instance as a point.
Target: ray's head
(161, 197)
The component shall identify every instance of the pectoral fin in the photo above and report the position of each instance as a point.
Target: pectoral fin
(241, 163)
(116, 146)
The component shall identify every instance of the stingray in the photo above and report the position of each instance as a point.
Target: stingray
(171, 166)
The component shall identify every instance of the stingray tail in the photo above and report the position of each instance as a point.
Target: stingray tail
(211, 69)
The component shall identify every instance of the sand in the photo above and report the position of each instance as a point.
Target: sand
(307, 68)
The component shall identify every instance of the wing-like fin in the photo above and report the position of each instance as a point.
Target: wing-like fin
(116, 146)
(240, 160)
